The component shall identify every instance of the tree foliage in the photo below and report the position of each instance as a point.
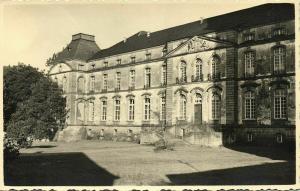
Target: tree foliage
(40, 115)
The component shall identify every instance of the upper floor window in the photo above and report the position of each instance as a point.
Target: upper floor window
(279, 55)
(117, 109)
(105, 63)
(279, 31)
(248, 36)
(249, 63)
(131, 78)
(147, 77)
(280, 103)
(80, 85)
(80, 67)
(163, 108)
(132, 59)
(147, 108)
(164, 74)
(119, 61)
(64, 84)
(91, 111)
(249, 105)
(214, 66)
(198, 69)
(105, 81)
(182, 107)
(92, 83)
(118, 80)
(131, 109)
(148, 56)
(183, 77)
(215, 107)
(104, 110)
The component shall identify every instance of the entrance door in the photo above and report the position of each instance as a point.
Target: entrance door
(198, 113)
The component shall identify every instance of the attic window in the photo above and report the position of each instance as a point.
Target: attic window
(248, 37)
(279, 31)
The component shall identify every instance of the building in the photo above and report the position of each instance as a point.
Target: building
(234, 72)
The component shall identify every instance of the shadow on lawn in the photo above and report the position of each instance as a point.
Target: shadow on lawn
(42, 146)
(268, 173)
(56, 169)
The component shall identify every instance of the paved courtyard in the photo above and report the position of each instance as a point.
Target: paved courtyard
(122, 163)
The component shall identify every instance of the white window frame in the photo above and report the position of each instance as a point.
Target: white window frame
(117, 109)
(148, 77)
(104, 110)
(182, 107)
(280, 104)
(163, 108)
(279, 54)
(132, 78)
(215, 106)
(105, 82)
(249, 105)
(249, 63)
(164, 74)
(198, 68)
(118, 80)
(147, 108)
(92, 83)
(131, 109)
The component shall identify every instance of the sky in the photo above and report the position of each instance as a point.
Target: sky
(33, 32)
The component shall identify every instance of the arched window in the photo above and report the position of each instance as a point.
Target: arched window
(80, 111)
(103, 110)
(117, 109)
(215, 106)
(131, 109)
(198, 70)
(280, 103)
(249, 63)
(183, 77)
(214, 67)
(80, 85)
(182, 107)
(147, 108)
(249, 105)
(91, 110)
(64, 84)
(279, 55)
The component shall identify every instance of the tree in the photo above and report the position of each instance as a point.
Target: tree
(17, 87)
(40, 116)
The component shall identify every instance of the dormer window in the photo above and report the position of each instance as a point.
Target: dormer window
(248, 37)
(105, 63)
(148, 56)
(119, 61)
(133, 59)
(279, 31)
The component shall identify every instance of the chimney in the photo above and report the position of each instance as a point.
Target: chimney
(125, 39)
(83, 36)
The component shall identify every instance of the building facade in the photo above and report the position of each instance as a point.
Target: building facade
(233, 72)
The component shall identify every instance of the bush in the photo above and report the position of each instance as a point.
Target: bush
(163, 145)
(10, 149)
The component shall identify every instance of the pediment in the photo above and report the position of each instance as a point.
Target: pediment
(197, 44)
(60, 68)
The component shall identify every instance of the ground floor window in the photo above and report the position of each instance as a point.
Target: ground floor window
(215, 107)
(280, 104)
(182, 107)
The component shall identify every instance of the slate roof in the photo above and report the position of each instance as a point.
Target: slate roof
(250, 17)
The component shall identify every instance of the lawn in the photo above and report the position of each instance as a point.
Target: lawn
(122, 163)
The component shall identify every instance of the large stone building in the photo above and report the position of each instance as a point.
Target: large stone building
(234, 72)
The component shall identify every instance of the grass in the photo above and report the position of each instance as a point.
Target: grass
(123, 163)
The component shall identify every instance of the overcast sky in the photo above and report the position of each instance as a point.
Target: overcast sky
(33, 32)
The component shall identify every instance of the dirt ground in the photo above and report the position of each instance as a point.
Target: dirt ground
(120, 163)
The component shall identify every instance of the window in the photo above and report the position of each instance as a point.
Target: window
(117, 109)
(248, 37)
(131, 109)
(163, 108)
(104, 81)
(118, 80)
(104, 110)
(119, 61)
(249, 63)
(92, 83)
(279, 59)
(249, 137)
(164, 75)
(147, 109)
(183, 71)
(279, 31)
(148, 56)
(249, 105)
(182, 107)
(133, 59)
(80, 85)
(65, 84)
(215, 107)
(131, 78)
(198, 69)
(147, 77)
(198, 99)
(105, 64)
(280, 104)
(91, 111)
(214, 67)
